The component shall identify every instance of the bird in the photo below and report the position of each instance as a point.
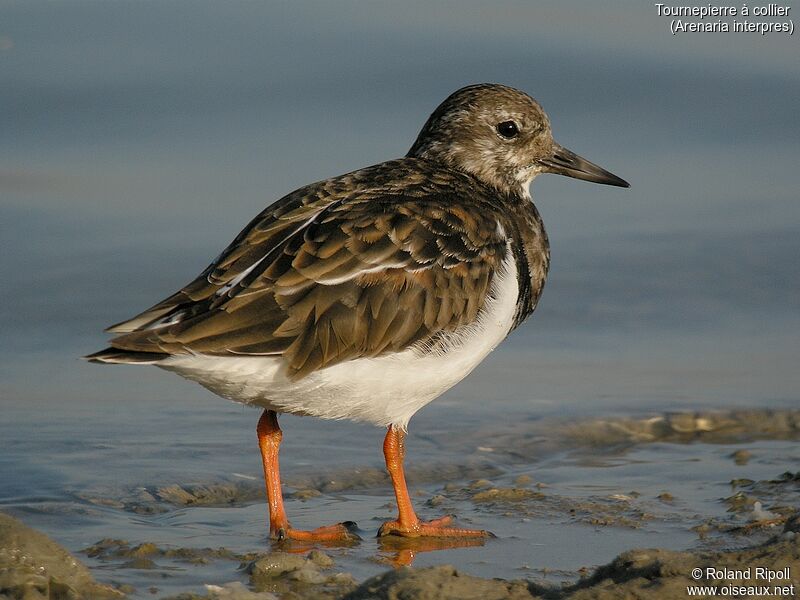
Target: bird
(367, 295)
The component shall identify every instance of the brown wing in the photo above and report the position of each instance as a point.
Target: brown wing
(362, 276)
(262, 236)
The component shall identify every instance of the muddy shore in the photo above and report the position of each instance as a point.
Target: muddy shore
(747, 521)
(32, 566)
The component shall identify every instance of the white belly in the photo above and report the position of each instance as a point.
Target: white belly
(384, 390)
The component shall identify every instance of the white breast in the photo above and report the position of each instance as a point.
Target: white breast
(384, 390)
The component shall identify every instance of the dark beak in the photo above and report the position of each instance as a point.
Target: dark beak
(565, 162)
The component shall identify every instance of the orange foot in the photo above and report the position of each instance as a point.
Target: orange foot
(435, 528)
(341, 532)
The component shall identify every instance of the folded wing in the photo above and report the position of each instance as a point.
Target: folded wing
(323, 279)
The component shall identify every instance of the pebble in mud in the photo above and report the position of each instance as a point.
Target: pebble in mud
(523, 480)
(436, 500)
(305, 494)
(741, 482)
(283, 573)
(741, 457)
(319, 558)
(275, 564)
(479, 484)
(140, 562)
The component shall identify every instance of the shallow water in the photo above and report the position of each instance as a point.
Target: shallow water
(561, 495)
(139, 138)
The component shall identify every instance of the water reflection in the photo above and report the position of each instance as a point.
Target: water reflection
(402, 551)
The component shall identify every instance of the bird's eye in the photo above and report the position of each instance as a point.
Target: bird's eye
(508, 129)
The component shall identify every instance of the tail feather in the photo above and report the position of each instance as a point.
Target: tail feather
(115, 356)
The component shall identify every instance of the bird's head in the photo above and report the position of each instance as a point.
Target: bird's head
(501, 136)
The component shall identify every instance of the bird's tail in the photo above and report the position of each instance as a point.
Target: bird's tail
(116, 356)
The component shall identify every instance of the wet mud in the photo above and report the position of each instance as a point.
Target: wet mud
(624, 482)
(644, 574)
(33, 566)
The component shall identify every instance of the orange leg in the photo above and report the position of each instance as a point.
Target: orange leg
(407, 523)
(269, 440)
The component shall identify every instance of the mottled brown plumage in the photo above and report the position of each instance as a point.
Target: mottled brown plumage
(378, 260)
(366, 296)
(340, 269)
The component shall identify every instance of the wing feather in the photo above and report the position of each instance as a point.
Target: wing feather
(334, 272)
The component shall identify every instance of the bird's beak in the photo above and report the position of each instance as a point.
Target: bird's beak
(566, 162)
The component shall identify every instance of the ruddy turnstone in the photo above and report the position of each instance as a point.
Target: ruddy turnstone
(367, 295)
